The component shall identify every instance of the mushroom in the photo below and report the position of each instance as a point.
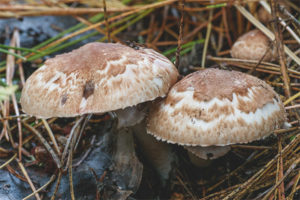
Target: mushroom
(215, 107)
(253, 45)
(99, 78)
(159, 154)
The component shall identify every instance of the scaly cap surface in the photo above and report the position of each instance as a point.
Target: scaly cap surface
(96, 78)
(216, 107)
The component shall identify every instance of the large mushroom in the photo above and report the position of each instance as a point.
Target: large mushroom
(215, 107)
(97, 78)
(100, 78)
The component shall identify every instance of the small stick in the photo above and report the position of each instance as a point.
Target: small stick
(45, 143)
(52, 178)
(73, 131)
(57, 185)
(9, 161)
(279, 173)
(208, 31)
(85, 153)
(291, 98)
(280, 51)
(290, 169)
(37, 196)
(250, 147)
(180, 35)
(87, 118)
(246, 185)
(106, 21)
(71, 177)
(291, 196)
(51, 135)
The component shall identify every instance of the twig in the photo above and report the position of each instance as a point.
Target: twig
(71, 177)
(177, 62)
(85, 153)
(154, 5)
(25, 10)
(279, 45)
(57, 185)
(291, 196)
(291, 168)
(52, 178)
(260, 173)
(279, 173)
(292, 98)
(208, 31)
(71, 135)
(37, 196)
(9, 161)
(282, 22)
(106, 21)
(51, 135)
(87, 118)
(45, 143)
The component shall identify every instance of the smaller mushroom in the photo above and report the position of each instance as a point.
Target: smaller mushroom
(253, 45)
(215, 107)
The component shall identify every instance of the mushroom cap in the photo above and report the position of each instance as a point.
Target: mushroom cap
(216, 107)
(97, 78)
(253, 45)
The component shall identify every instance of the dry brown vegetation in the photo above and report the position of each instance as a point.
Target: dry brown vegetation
(205, 31)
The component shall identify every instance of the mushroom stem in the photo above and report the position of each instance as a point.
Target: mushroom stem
(130, 115)
(158, 154)
(128, 169)
(202, 156)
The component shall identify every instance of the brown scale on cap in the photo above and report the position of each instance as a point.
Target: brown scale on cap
(96, 78)
(253, 45)
(217, 107)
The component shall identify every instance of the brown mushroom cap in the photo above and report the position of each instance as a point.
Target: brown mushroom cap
(216, 107)
(253, 45)
(96, 78)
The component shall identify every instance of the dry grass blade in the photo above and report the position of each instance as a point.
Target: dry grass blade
(154, 5)
(249, 64)
(237, 193)
(280, 51)
(51, 135)
(290, 169)
(177, 62)
(23, 10)
(289, 100)
(291, 196)
(282, 22)
(267, 169)
(106, 21)
(71, 177)
(207, 37)
(279, 173)
(72, 136)
(45, 143)
(52, 178)
(57, 184)
(37, 196)
(9, 161)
